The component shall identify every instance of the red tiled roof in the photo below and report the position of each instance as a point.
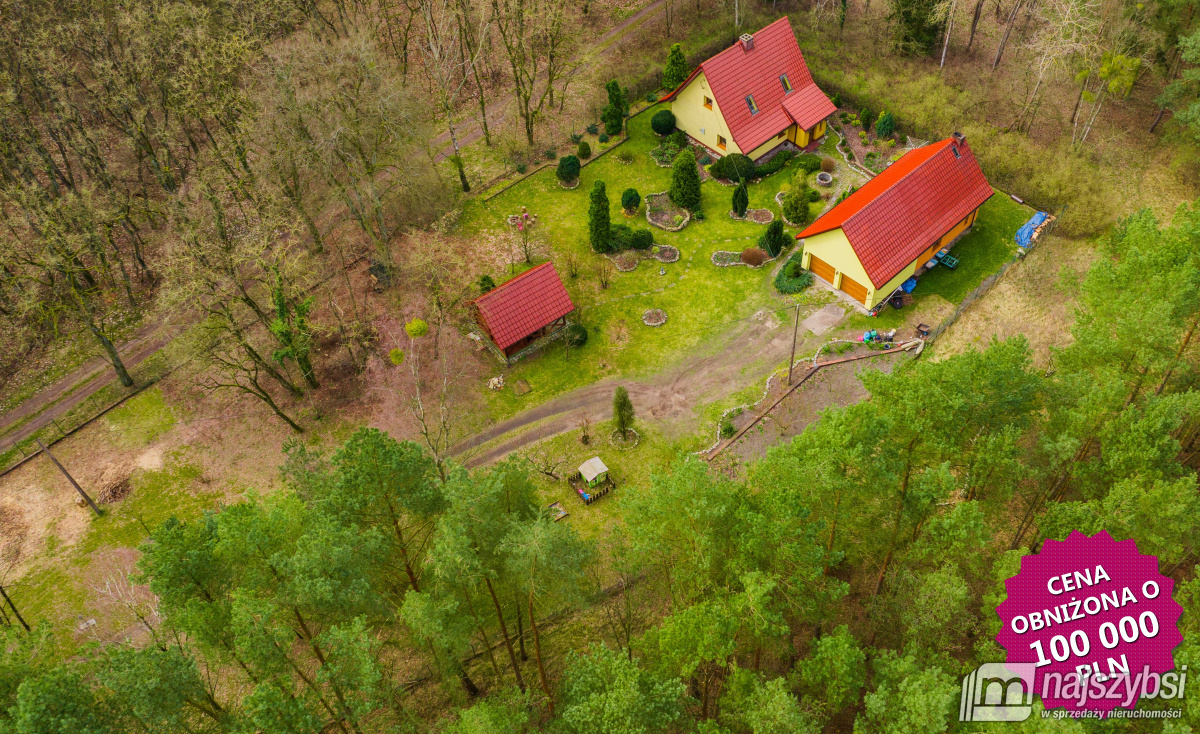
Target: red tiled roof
(898, 214)
(735, 73)
(521, 306)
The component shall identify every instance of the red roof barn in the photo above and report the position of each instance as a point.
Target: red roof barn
(898, 221)
(520, 311)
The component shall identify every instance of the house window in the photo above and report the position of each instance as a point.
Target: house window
(956, 153)
(787, 86)
(750, 103)
(708, 102)
(721, 142)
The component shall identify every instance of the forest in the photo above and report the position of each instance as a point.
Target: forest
(244, 173)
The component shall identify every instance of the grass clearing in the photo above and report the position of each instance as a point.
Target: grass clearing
(980, 252)
(141, 419)
(700, 299)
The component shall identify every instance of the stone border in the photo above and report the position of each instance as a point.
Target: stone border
(647, 314)
(637, 439)
(565, 186)
(747, 218)
(712, 259)
(616, 264)
(672, 248)
(687, 216)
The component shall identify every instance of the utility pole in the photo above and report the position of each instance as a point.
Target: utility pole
(70, 478)
(795, 330)
(12, 606)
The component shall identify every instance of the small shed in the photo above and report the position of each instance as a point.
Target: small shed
(518, 313)
(593, 471)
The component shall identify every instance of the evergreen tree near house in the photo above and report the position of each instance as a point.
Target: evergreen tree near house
(630, 200)
(613, 115)
(741, 200)
(622, 411)
(685, 181)
(885, 125)
(676, 70)
(774, 239)
(599, 229)
(568, 169)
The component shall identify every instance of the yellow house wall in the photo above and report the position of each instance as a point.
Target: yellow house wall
(835, 249)
(691, 116)
(770, 145)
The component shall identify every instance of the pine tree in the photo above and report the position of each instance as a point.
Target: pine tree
(615, 111)
(774, 240)
(741, 200)
(622, 411)
(598, 222)
(685, 181)
(676, 69)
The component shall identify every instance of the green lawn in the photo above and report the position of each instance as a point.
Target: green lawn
(701, 300)
(981, 252)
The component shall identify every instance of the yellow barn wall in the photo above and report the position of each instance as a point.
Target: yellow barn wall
(691, 116)
(835, 249)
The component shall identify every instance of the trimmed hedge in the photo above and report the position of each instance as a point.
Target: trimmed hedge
(733, 167)
(663, 122)
(776, 164)
(576, 336)
(568, 169)
(792, 278)
(643, 239)
(808, 162)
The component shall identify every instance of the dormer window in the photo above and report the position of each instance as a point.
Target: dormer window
(750, 103)
(787, 86)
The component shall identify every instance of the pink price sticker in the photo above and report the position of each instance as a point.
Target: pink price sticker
(1096, 619)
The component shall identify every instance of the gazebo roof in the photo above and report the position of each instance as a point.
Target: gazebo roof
(513, 310)
(592, 468)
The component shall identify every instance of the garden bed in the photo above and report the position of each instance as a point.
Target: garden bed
(626, 262)
(664, 214)
(758, 216)
(572, 185)
(665, 254)
(727, 259)
(654, 317)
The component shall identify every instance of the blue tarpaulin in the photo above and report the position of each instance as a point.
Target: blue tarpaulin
(908, 285)
(1025, 233)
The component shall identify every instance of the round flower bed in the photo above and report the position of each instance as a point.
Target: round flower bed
(654, 317)
(662, 212)
(572, 185)
(665, 254)
(626, 262)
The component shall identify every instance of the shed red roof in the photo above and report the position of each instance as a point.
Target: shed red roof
(736, 73)
(898, 214)
(521, 306)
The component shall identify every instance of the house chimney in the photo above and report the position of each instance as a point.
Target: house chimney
(747, 42)
(959, 137)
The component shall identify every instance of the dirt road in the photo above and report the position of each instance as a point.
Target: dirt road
(78, 386)
(752, 350)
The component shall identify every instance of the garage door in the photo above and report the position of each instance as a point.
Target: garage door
(854, 290)
(821, 269)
